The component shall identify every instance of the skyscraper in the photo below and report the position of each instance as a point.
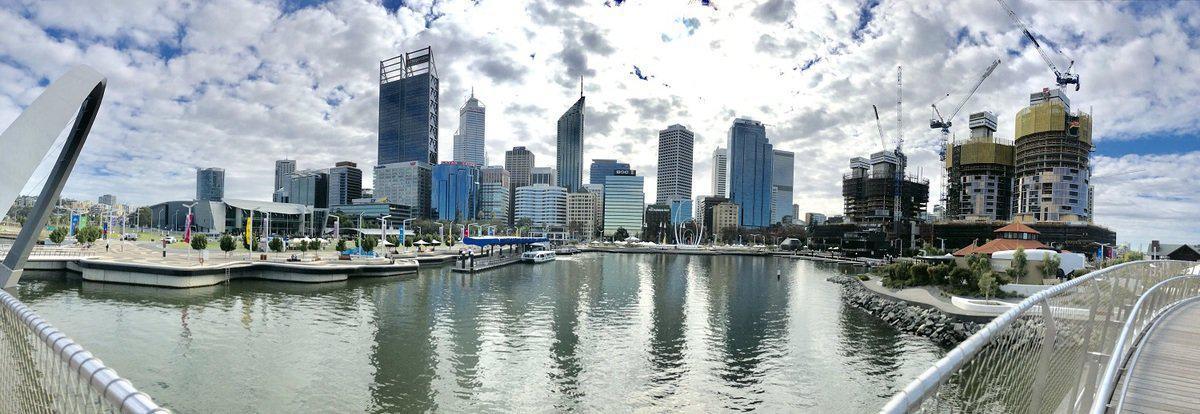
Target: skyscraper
(494, 193)
(210, 184)
(283, 168)
(308, 187)
(624, 203)
(345, 183)
(720, 175)
(674, 164)
(603, 168)
(783, 169)
(394, 183)
(108, 199)
(979, 173)
(750, 164)
(570, 147)
(518, 161)
(544, 205)
(408, 108)
(1052, 178)
(469, 141)
(455, 191)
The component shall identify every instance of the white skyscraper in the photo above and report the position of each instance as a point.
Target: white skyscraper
(543, 175)
(544, 205)
(283, 168)
(469, 139)
(674, 164)
(783, 168)
(720, 175)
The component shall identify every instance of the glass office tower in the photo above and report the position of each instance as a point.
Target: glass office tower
(603, 168)
(570, 148)
(455, 191)
(408, 106)
(751, 159)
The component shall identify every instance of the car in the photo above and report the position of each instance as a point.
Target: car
(170, 239)
(129, 236)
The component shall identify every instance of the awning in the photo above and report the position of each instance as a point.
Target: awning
(502, 240)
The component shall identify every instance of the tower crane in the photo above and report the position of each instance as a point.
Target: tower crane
(1062, 78)
(901, 161)
(944, 123)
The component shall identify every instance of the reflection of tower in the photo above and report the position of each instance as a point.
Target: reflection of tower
(754, 323)
(667, 344)
(403, 353)
(565, 322)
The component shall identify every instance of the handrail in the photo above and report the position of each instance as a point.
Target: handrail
(68, 361)
(1112, 370)
(1058, 329)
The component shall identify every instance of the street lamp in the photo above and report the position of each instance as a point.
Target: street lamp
(441, 233)
(358, 244)
(383, 231)
(404, 233)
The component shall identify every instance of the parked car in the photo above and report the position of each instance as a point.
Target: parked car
(170, 239)
(790, 244)
(129, 236)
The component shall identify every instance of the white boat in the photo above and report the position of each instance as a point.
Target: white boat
(539, 256)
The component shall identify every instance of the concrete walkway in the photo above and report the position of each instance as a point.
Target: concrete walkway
(923, 295)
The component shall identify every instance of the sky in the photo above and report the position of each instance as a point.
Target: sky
(238, 84)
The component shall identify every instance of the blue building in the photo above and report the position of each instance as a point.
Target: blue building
(751, 159)
(570, 148)
(408, 108)
(604, 168)
(455, 191)
(681, 211)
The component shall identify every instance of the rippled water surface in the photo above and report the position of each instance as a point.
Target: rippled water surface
(590, 333)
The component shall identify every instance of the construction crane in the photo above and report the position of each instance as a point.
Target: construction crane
(944, 123)
(898, 173)
(1062, 78)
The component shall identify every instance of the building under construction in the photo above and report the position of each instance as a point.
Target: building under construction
(1052, 179)
(870, 190)
(979, 174)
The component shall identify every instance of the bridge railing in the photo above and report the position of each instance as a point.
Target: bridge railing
(44, 371)
(1047, 354)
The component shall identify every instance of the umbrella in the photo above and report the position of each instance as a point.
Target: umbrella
(435, 241)
(420, 242)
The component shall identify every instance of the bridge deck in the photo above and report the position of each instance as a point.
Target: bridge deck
(1166, 378)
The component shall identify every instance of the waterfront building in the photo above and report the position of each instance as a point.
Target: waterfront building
(603, 168)
(408, 108)
(494, 195)
(870, 191)
(283, 168)
(229, 216)
(657, 223)
(675, 164)
(581, 215)
(210, 184)
(704, 206)
(979, 173)
(469, 140)
(518, 162)
(624, 202)
(1052, 178)
(406, 183)
(370, 210)
(108, 200)
(725, 217)
(814, 219)
(751, 159)
(455, 191)
(345, 183)
(1165, 251)
(543, 205)
(720, 174)
(569, 148)
(795, 213)
(681, 211)
(543, 175)
(307, 188)
(598, 191)
(698, 214)
(783, 169)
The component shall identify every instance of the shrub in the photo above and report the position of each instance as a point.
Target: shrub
(939, 274)
(1018, 270)
(314, 245)
(960, 277)
(918, 274)
(303, 247)
(58, 235)
(394, 240)
(368, 244)
(199, 242)
(275, 244)
(341, 245)
(988, 285)
(864, 277)
(87, 234)
(1050, 266)
(227, 244)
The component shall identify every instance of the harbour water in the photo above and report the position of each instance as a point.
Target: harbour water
(591, 332)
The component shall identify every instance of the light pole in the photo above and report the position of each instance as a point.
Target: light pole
(383, 232)
(358, 244)
(442, 234)
(404, 233)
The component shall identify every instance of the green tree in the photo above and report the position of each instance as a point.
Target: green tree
(1018, 270)
(303, 247)
(1050, 265)
(368, 244)
(988, 285)
(393, 239)
(961, 277)
(918, 274)
(58, 235)
(275, 244)
(341, 245)
(621, 234)
(227, 244)
(88, 234)
(199, 242)
(314, 245)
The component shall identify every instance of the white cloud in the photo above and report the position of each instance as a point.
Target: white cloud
(237, 84)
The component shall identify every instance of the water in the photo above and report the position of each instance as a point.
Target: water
(587, 333)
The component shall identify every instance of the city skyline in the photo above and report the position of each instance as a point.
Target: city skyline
(181, 125)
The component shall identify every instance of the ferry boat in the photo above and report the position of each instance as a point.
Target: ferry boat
(539, 256)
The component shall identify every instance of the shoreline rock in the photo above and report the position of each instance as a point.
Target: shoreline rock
(939, 327)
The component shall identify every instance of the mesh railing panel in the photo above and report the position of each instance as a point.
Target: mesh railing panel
(44, 371)
(1046, 355)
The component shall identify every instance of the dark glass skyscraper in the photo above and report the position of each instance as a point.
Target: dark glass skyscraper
(604, 168)
(455, 191)
(408, 108)
(210, 184)
(345, 183)
(570, 147)
(751, 158)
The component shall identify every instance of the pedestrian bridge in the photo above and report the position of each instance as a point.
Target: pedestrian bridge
(1121, 339)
